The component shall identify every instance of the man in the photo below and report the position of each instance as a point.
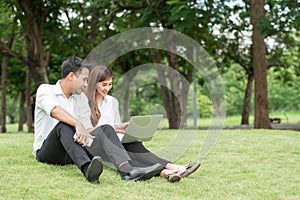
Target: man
(64, 134)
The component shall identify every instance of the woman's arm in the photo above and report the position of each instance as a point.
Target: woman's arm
(119, 127)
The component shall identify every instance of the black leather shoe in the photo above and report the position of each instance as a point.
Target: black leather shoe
(94, 170)
(191, 168)
(143, 173)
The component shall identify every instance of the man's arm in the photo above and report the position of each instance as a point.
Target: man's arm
(82, 134)
(62, 115)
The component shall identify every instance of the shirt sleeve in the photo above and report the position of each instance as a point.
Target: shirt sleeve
(84, 111)
(44, 99)
(116, 113)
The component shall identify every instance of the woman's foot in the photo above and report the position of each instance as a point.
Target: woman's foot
(175, 177)
(190, 168)
(175, 168)
(170, 176)
(184, 171)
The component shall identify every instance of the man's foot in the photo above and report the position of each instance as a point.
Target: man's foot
(143, 173)
(94, 170)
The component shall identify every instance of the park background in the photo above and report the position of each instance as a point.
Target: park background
(36, 36)
(253, 43)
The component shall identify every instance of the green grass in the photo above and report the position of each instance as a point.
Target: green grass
(235, 120)
(13, 128)
(245, 164)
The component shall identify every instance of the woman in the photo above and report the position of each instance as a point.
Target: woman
(105, 110)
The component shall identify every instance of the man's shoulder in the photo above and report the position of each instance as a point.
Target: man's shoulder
(81, 97)
(45, 87)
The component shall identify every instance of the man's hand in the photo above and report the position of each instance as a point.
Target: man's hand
(82, 135)
(121, 128)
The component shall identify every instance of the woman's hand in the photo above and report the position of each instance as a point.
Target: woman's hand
(121, 128)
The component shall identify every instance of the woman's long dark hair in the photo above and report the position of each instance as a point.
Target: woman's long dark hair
(98, 74)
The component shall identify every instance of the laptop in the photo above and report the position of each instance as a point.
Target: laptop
(141, 128)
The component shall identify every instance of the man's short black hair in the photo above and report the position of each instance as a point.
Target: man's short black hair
(73, 64)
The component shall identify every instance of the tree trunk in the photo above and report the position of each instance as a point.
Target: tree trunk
(39, 72)
(163, 83)
(127, 79)
(3, 85)
(175, 93)
(3, 90)
(29, 102)
(21, 121)
(261, 112)
(185, 93)
(175, 98)
(126, 100)
(247, 100)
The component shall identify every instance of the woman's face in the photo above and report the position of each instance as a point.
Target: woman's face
(103, 87)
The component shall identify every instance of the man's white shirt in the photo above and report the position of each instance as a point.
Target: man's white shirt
(47, 98)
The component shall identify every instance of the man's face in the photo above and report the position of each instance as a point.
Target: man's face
(81, 81)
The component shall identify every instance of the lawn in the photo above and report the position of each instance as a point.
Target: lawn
(245, 164)
(235, 120)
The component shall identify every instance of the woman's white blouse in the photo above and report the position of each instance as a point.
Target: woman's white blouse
(109, 110)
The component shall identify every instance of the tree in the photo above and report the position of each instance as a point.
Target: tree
(29, 102)
(7, 39)
(3, 86)
(219, 27)
(37, 24)
(234, 20)
(33, 15)
(182, 16)
(261, 110)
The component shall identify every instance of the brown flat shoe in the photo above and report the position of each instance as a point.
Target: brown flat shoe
(190, 168)
(175, 177)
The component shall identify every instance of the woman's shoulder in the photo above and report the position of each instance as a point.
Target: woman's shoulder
(111, 98)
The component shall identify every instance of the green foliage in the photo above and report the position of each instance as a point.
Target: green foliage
(12, 108)
(7, 23)
(222, 27)
(283, 95)
(204, 104)
(235, 86)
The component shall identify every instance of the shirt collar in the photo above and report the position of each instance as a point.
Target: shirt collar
(105, 101)
(58, 90)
